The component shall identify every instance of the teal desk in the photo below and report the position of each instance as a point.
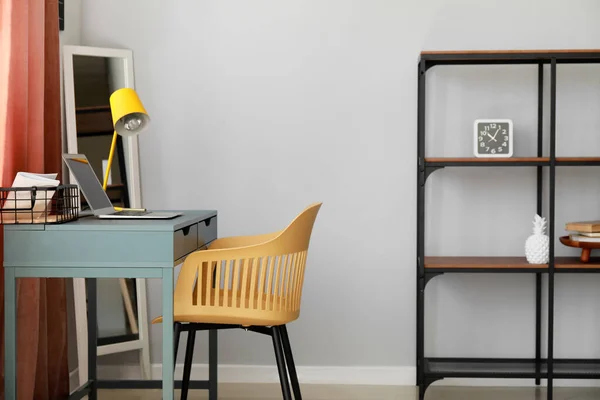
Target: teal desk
(93, 248)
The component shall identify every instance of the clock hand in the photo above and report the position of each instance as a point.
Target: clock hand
(492, 137)
(496, 134)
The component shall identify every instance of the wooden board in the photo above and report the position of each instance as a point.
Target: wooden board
(581, 160)
(485, 160)
(563, 263)
(577, 159)
(575, 263)
(481, 262)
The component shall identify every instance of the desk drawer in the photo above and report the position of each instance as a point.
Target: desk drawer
(185, 241)
(194, 237)
(207, 231)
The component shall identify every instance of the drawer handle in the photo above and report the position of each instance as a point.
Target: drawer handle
(186, 230)
(207, 221)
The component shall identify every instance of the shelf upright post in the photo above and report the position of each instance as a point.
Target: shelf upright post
(551, 215)
(421, 228)
(540, 188)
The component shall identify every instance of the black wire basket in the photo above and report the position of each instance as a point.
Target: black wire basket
(39, 205)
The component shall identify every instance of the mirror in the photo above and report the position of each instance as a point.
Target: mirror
(91, 75)
(95, 78)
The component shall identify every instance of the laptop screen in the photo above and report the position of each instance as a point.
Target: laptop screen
(88, 183)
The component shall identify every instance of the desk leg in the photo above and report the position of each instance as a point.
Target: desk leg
(10, 334)
(167, 325)
(92, 322)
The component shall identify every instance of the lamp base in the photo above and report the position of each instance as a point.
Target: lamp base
(129, 209)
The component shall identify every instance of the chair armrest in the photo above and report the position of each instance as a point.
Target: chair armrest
(199, 269)
(217, 254)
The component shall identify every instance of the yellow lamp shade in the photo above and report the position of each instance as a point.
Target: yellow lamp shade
(128, 112)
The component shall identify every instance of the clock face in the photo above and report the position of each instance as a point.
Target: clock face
(493, 138)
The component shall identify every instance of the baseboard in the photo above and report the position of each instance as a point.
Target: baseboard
(327, 375)
(381, 376)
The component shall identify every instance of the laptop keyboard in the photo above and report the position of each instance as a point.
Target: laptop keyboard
(128, 213)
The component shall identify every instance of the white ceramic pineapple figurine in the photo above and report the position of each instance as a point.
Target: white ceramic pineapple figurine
(537, 245)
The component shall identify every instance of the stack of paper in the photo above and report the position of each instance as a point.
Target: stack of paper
(21, 200)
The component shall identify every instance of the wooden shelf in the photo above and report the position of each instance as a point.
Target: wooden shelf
(483, 264)
(501, 52)
(487, 160)
(533, 56)
(508, 162)
(506, 264)
(475, 161)
(566, 161)
(567, 264)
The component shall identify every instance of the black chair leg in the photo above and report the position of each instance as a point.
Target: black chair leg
(176, 336)
(289, 358)
(187, 366)
(283, 377)
(212, 364)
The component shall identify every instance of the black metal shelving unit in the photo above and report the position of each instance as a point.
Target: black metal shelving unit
(431, 369)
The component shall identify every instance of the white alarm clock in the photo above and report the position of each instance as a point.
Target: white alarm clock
(493, 138)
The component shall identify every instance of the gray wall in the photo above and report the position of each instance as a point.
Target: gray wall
(259, 108)
(116, 74)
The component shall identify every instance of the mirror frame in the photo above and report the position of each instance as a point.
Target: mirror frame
(132, 166)
(130, 144)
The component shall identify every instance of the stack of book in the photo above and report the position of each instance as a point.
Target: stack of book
(584, 231)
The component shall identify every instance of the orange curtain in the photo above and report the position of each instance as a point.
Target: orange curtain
(30, 140)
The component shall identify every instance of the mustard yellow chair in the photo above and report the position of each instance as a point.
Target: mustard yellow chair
(249, 282)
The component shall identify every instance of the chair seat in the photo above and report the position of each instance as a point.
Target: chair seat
(234, 311)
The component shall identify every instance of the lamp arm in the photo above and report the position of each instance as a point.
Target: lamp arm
(107, 174)
(110, 159)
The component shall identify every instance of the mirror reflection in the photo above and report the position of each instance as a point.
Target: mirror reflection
(95, 78)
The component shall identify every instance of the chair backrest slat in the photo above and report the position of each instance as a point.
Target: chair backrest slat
(227, 283)
(266, 264)
(235, 287)
(245, 273)
(253, 276)
(207, 269)
(299, 279)
(287, 288)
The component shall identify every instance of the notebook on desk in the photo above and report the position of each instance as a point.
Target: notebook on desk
(97, 198)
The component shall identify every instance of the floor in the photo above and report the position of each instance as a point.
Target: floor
(329, 392)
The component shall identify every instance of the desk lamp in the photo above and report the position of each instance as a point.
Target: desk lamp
(129, 118)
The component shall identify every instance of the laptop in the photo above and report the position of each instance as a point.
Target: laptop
(97, 198)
